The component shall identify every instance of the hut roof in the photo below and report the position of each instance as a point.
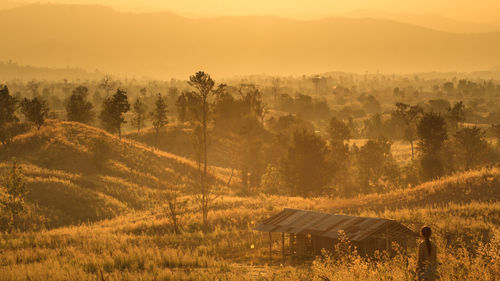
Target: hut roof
(328, 225)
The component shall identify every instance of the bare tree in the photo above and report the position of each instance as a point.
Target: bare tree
(199, 105)
(276, 88)
(107, 84)
(139, 110)
(33, 87)
(409, 115)
(177, 203)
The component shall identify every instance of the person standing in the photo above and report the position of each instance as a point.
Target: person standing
(427, 257)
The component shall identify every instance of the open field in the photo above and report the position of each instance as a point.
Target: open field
(141, 244)
(109, 222)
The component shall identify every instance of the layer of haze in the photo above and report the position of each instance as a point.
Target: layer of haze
(478, 11)
(170, 44)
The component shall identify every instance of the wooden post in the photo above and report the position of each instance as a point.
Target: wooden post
(283, 244)
(270, 249)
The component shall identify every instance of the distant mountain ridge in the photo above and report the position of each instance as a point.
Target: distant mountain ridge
(162, 45)
(11, 71)
(432, 21)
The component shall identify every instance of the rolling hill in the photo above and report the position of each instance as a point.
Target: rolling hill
(177, 139)
(163, 44)
(142, 244)
(432, 21)
(78, 173)
(130, 235)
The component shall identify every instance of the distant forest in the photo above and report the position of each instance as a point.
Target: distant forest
(335, 134)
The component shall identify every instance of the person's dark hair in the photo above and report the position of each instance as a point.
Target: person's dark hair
(426, 233)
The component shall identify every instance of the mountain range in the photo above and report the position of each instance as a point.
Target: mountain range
(164, 45)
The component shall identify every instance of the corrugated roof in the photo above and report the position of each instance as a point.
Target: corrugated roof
(328, 225)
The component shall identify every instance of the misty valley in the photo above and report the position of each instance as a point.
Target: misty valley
(155, 146)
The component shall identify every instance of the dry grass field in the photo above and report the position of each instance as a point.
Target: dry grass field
(110, 222)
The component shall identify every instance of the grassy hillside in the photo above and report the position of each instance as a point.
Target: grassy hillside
(177, 139)
(463, 210)
(77, 173)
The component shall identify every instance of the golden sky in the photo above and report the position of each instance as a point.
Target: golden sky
(471, 10)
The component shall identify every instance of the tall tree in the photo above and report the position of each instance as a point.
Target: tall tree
(35, 110)
(304, 168)
(159, 116)
(198, 102)
(409, 115)
(338, 137)
(473, 146)
(249, 152)
(8, 107)
(107, 84)
(432, 134)
(276, 89)
(33, 87)
(78, 108)
(456, 114)
(112, 112)
(139, 109)
(182, 109)
(252, 100)
(373, 157)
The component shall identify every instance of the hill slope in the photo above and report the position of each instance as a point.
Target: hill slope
(78, 173)
(160, 44)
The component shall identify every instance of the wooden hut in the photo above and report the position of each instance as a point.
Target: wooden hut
(309, 232)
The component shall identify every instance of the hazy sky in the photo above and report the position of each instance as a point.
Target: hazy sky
(473, 10)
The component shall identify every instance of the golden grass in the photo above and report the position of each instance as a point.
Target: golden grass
(70, 188)
(131, 237)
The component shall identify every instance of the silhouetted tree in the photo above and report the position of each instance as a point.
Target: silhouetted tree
(252, 100)
(338, 136)
(249, 151)
(448, 87)
(33, 87)
(374, 162)
(456, 115)
(159, 116)
(374, 127)
(409, 115)
(432, 134)
(181, 105)
(304, 168)
(370, 104)
(472, 146)
(35, 110)
(107, 84)
(78, 108)
(8, 107)
(198, 103)
(275, 88)
(112, 112)
(139, 109)
(440, 106)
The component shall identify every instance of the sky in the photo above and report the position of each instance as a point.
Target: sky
(469, 10)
